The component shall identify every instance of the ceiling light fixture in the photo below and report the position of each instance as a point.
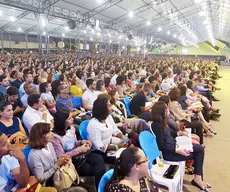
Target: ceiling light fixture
(130, 14)
(12, 18)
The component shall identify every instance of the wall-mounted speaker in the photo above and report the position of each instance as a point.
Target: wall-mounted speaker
(71, 24)
(130, 36)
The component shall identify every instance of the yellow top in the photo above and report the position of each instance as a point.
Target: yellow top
(76, 90)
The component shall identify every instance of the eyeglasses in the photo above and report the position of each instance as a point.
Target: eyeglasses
(141, 162)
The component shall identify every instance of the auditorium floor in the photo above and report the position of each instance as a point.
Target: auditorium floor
(217, 151)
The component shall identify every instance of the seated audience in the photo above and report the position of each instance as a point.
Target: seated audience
(4, 84)
(28, 77)
(42, 158)
(29, 89)
(102, 130)
(12, 98)
(120, 86)
(108, 85)
(90, 95)
(65, 141)
(36, 112)
(64, 100)
(9, 124)
(131, 173)
(137, 105)
(76, 89)
(19, 79)
(184, 116)
(47, 97)
(14, 172)
(167, 144)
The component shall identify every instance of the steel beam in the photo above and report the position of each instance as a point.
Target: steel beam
(99, 9)
(22, 15)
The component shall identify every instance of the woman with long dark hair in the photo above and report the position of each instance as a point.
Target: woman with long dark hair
(130, 172)
(66, 142)
(167, 144)
(102, 130)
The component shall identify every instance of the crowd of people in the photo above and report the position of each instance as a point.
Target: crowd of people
(166, 95)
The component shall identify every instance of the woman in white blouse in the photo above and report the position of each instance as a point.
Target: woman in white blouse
(102, 130)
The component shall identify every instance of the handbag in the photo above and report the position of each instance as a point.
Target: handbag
(80, 159)
(65, 176)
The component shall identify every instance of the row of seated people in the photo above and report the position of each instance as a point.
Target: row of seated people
(52, 149)
(102, 126)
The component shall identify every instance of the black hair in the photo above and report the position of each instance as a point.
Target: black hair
(36, 80)
(99, 85)
(107, 81)
(120, 79)
(12, 91)
(130, 75)
(158, 113)
(3, 105)
(165, 99)
(89, 82)
(100, 109)
(2, 77)
(59, 121)
(151, 79)
(142, 80)
(42, 87)
(55, 84)
(123, 165)
(189, 84)
(33, 99)
(164, 75)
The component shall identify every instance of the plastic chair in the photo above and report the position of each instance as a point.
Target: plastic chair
(26, 152)
(149, 145)
(83, 129)
(127, 101)
(56, 76)
(121, 104)
(105, 178)
(77, 102)
(23, 124)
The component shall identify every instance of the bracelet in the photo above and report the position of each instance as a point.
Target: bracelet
(12, 137)
(27, 187)
(116, 147)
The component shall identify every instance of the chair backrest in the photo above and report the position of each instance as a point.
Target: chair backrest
(26, 152)
(77, 102)
(127, 105)
(105, 178)
(56, 76)
(23, 124)
(83, 129)
(149, 145)
(121, 104)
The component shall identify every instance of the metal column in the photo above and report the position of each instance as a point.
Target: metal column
(39, 34)
(26, 35)
(10, 41)
(2, 41)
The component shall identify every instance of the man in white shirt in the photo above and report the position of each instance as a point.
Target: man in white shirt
(117, 72)
(28, 79)
(90, 95)
(36, 112)
(83, 77)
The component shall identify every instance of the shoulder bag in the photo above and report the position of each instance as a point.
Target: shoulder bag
(65, 176)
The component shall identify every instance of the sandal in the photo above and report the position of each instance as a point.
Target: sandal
(198, 186)
(212, 131)
(190, 170)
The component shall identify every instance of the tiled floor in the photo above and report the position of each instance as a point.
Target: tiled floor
(217, 151)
